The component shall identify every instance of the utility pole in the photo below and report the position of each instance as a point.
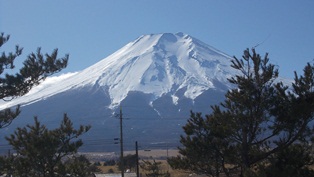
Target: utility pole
(137, 168)
(167, 157)
(121, 144)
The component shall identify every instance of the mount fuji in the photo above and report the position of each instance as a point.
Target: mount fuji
(155, 80)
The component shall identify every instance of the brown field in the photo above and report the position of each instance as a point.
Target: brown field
(165, 167)
(158, 155)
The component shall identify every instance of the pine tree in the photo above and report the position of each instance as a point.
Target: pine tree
(294, 161)
(153, 169)
(258, 118)
(129, 162)
(40, 152)
(35, 68)
(205, 147)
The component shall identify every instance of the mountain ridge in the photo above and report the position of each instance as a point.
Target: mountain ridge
(156, 79)
(160, 69)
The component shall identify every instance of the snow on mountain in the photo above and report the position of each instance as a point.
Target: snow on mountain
(45, 89)
(157, 79)
(158, 64)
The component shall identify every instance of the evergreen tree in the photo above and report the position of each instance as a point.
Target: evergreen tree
(35, 68)
(153, 169)
(294, 161)
(40, 152)
(129, 162)
(258, 118)
(79, 166)
(6, 165)
(205, 147)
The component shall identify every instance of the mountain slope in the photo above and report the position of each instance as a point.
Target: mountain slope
(157, 64)
(156, 79)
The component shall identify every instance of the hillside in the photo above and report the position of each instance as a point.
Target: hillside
(156, 80)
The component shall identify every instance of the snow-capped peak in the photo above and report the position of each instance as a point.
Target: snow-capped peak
(156, 64)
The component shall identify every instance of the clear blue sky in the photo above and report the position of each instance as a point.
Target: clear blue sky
(91, 30)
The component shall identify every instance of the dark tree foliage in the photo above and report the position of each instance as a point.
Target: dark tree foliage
(204, 147)
(294, 161)
(259, 117)
(110, 170)
(41, 152)
(6, 167)
(80, 166)
(129, 162)
(153, 169)
(110, 162)
(36, 67)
